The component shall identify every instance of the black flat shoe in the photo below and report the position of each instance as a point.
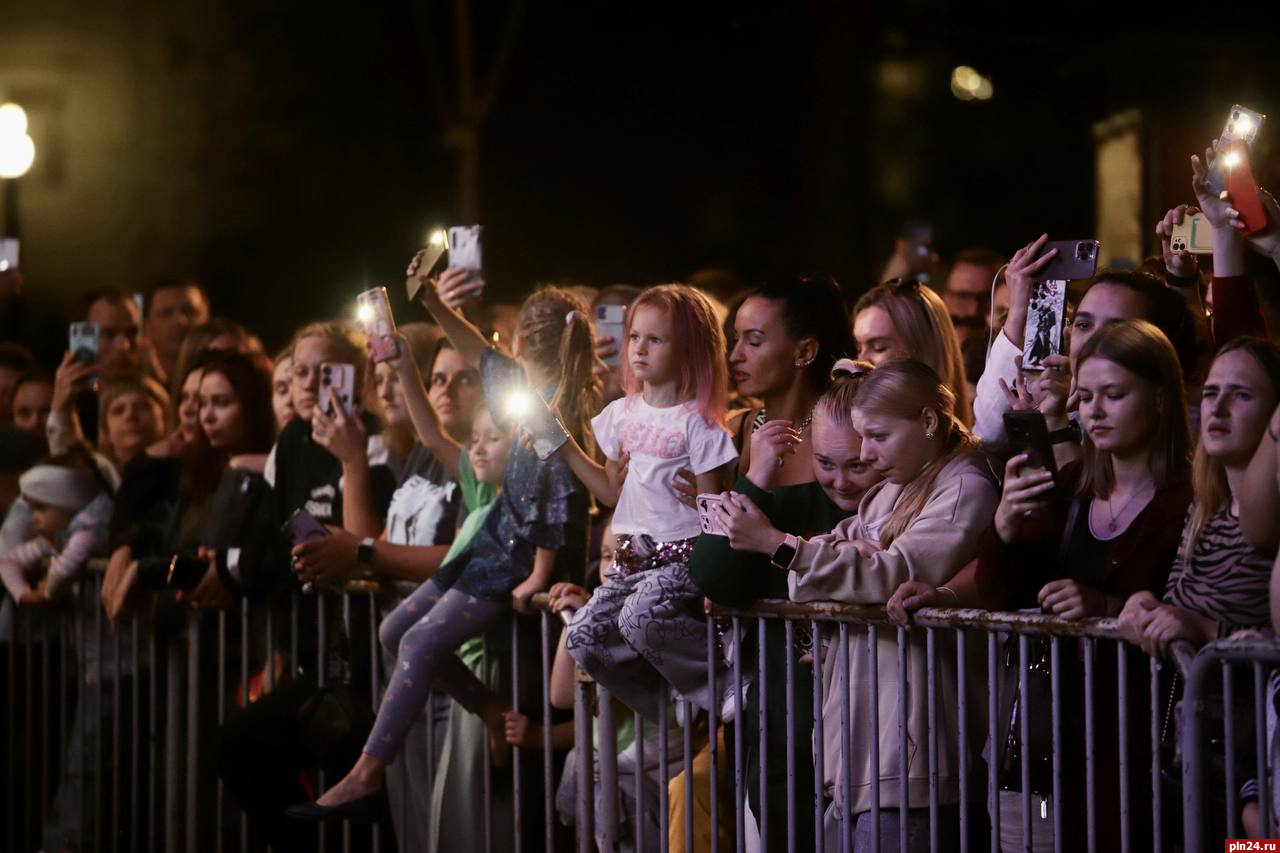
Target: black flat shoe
(366, 809)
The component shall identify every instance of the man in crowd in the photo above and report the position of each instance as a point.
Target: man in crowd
(174, 308)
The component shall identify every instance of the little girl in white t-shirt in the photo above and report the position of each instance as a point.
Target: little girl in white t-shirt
(646, 623)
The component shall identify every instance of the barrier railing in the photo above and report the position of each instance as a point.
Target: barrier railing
(982, 727)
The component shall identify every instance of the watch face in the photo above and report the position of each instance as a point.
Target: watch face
(783, 556)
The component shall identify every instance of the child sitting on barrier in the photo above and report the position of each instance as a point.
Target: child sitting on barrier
(645, 624)
(70, 511)
(536, 528)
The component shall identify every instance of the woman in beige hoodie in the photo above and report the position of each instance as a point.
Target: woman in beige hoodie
(922, 522)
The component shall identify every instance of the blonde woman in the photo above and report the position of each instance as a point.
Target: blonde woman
(903, 318)
(923, 522)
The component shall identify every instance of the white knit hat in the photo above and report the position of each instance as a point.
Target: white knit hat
(68, 488)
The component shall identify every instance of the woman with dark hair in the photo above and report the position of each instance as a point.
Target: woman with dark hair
(787, 337)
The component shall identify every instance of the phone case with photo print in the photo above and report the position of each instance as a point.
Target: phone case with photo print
(378, 323)
(337, 388)
(707, 504)
(1046, 314)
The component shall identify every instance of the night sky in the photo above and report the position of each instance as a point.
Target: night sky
(638, 143)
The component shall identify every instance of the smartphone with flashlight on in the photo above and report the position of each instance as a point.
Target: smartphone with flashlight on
(337, 388)
(536, 421)
(1242, 188)
(428, 259)
(301, 527)
(1242, 124)
(373, 309)
(9, 247)
(611, 321)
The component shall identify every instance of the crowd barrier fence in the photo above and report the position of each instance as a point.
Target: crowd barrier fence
(110, 734)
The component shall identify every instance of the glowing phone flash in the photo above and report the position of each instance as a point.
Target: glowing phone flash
(1231, 159)
(518, 403)
(364, 314)
(1244, 125)
(439, 237)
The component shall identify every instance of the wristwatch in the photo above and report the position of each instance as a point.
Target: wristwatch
(785, 552)
(364, 551)
(1070, 432)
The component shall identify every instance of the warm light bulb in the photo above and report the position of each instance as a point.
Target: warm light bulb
(13, 120)
(17, 153)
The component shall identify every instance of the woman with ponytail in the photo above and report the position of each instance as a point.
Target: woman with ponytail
(923, 521)
(536, 532)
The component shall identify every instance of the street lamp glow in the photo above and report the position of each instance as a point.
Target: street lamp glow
(17, 153)
(13, 120)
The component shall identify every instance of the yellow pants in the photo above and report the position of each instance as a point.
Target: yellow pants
(702, 802)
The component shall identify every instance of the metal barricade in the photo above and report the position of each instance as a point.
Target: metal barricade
(1118, 748)
(111, 736)
(1211, 719)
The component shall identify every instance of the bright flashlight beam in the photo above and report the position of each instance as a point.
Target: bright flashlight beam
(438, 237)
(1231, 159)
(1244, 124)
(364, 314)
(518, 403)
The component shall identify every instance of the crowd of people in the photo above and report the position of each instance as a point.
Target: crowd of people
(777, 441)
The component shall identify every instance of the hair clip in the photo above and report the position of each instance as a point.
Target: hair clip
(847, 368)
(568, 318)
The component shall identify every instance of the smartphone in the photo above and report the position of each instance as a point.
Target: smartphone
(541, 425)
(337, 388)
(464, 250)
(83, 342)
(9, 247)
(1076, 259)
(429, 258)
(1194, 235)
(611, 320)
(1242, 188)
(707, 505)
(1242, 124)
(1027, 433)
(303, 527)
(1046, 316)
(374, 310)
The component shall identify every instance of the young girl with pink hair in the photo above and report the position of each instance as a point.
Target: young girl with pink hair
(645, 624)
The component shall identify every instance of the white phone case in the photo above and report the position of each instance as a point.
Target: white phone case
(337, 386)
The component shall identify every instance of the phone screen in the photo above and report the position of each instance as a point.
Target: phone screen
(610, 322)
(9, 247)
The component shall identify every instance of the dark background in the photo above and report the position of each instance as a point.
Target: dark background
(290, 154)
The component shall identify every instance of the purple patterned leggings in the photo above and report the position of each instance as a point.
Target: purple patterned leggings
(424, 633)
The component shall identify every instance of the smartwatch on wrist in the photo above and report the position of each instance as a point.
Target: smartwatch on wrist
(364, 553)
(785, 552)
(1070, 432)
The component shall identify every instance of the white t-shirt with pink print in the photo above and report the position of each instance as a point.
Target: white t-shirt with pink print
(661, 442)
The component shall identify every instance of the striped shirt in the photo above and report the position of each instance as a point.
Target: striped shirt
(1226, 579)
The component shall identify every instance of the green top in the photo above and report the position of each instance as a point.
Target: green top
(736, 579)
(478, 498)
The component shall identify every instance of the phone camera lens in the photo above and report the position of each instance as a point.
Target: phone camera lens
(1084, 251)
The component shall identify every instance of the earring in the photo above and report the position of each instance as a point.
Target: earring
(804, 363)
(929, 435)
